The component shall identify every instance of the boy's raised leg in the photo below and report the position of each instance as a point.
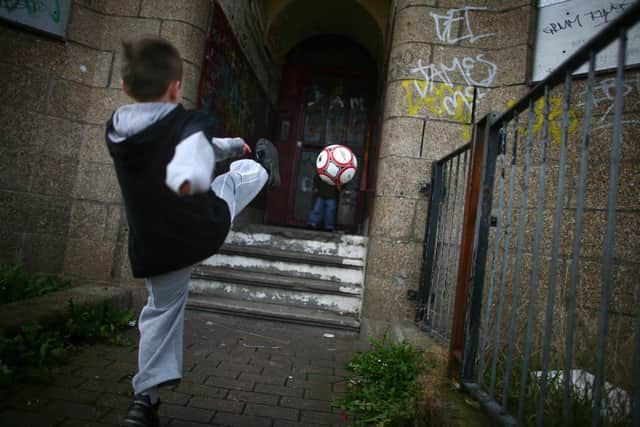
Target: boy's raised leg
(246, 178)
(240, 185)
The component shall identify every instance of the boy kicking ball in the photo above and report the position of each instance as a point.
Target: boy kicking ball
(178, 214)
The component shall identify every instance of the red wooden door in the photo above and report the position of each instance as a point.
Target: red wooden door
(285, 137)
(319, 108)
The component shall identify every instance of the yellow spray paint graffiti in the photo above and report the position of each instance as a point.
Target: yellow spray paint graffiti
(442, 100)
(454, 102)
(555, 119)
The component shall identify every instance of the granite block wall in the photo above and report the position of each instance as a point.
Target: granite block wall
(60, 208)
(438, 51)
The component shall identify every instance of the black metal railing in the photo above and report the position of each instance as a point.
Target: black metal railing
(442, 242)
(552, 329)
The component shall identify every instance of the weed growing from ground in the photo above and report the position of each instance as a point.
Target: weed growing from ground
(28, 354)
(16, 284)
(383, 388)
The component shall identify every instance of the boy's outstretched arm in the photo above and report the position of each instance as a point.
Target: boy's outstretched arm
(191, 169)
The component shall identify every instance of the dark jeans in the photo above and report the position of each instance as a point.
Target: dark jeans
(323, 211)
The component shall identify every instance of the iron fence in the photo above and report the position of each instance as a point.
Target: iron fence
(442, 242)
(552, 308)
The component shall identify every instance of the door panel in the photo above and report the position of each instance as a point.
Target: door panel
(304, 186)
(314, 111)
(336, 116)
(355, 137)
(285, 138)
(349, 197)
(358, 116)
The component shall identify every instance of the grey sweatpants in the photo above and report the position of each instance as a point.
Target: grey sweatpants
(162, 318)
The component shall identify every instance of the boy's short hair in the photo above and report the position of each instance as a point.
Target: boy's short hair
(149, 65)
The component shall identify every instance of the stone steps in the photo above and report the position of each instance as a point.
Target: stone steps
(309, 241)
(275, 272)
(289, 256)
(206, 272)
(289, 263)
(258, 310)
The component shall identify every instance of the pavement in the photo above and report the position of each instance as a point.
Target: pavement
(237, 372)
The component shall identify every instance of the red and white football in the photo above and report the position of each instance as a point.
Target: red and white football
(336, 164)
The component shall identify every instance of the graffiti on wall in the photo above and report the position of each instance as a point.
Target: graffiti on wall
(556, 116)
(445, 90)
(48, 16)
(604, 95)
(434, 85)
(443, 98)
(32, 7)
(446, 25)
(565, 26)
(229, 90)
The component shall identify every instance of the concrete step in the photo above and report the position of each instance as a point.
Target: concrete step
(258, 310)
(299, 233)
(283, 263)
(300, 240)
(275, 254)
(258, 279)
(276, 289)
(339, 304)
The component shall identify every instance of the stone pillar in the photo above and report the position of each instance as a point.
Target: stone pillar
(438, 51)
(60, 206)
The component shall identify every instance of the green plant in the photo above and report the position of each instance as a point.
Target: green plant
(91, 324)
(383, 388)
(16, 284)
(28, 354)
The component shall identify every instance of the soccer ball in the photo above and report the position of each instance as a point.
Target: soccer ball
(336, 164)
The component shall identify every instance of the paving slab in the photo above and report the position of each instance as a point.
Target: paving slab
(238, 372)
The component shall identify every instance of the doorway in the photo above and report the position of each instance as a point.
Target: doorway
(326, 98)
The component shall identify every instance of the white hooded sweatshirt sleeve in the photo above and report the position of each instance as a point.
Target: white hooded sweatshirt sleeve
(194, 161)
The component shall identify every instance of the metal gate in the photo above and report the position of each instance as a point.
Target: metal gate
(442, 242)
(532, 275)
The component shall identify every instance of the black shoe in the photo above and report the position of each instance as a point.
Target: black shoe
(267, 156)
(141, 413)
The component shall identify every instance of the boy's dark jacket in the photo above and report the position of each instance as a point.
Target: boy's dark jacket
(166, 231)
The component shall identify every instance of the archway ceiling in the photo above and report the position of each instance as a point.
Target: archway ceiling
(291, 22)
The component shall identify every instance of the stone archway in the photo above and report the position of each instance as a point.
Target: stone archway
(288, 22)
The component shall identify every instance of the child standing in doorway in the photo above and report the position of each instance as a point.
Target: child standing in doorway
(325, 205)
(164, 157)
